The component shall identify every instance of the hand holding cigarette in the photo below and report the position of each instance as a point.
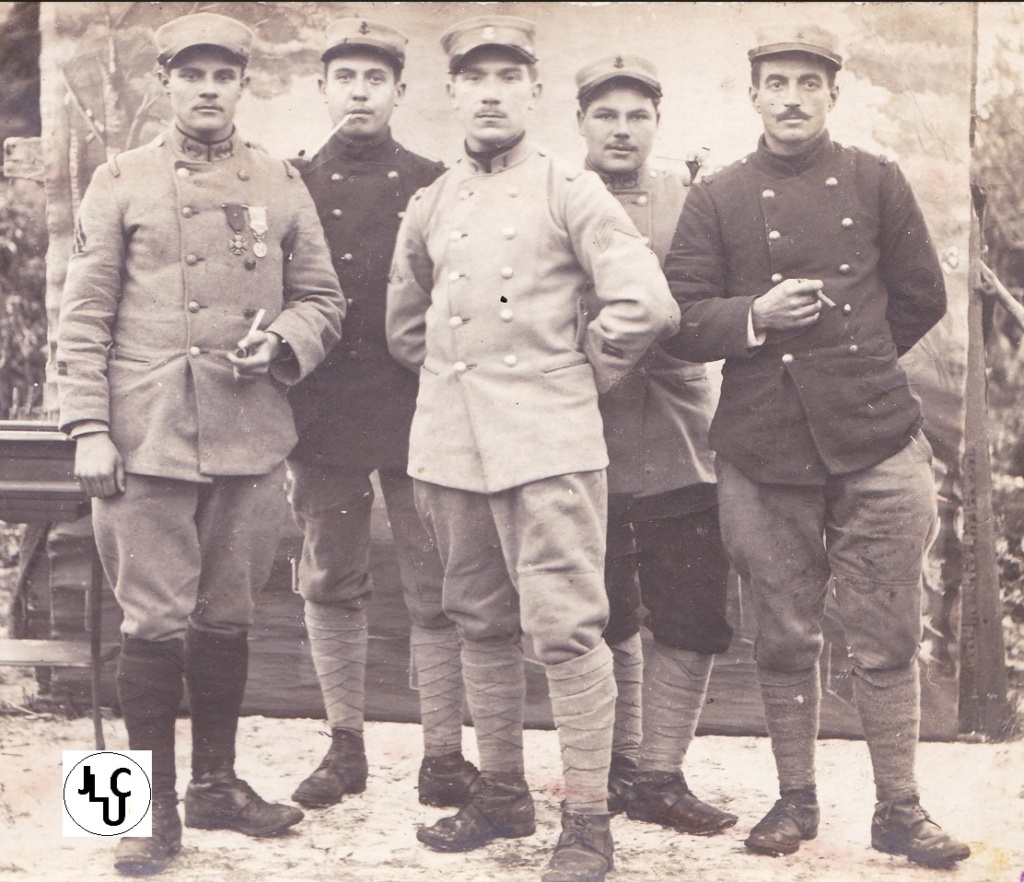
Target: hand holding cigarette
(792, 305)
(256, 350)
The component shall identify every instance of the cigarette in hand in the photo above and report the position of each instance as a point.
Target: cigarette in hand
(241, 351)
(824, 298)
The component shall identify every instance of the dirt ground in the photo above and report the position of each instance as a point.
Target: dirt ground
(975, 789)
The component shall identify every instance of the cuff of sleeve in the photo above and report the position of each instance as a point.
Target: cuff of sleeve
(753, 340)
(87, 427)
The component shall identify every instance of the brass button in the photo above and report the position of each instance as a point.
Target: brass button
(776, 277)
(768, 193)
(847, 309)
(393, 175)
(787, 358)
(846, 222)
(853, 349)
(183, 172)
(455, 321)
(844, 268)
(345, 258)
(506, 315)
(774, 236)
(831, 182)
(191, 259)
(250, 263)
(335, 177)
(459, 367)
(194, 351)
(353, 354)
(511, 360)
(454, 276)
(335, 212)
(506, 272)
(243, 175)
(509, 232)
(401, 214)
(187, 211)
(642, 200)
(193, 306)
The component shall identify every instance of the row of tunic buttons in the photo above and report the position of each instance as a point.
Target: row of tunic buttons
(460, 367)
(788, 358)
(506, 315)
(336, 213)
(393, 175)
(511, 191)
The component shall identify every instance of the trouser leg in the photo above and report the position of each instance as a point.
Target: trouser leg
(435, 652)
(881, 521)
(478, 594)
(333, 505)
(773, 534)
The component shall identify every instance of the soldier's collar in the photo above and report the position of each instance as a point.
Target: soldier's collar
(361, 151)
(205, 151)
(626, 181)
(793, 165)
(499, 158)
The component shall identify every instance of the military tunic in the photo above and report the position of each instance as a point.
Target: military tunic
(155, 299)
(832, 399)
(356, 408)
(518, 295)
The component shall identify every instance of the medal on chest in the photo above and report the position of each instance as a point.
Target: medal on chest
(258, 225)
(235, 215)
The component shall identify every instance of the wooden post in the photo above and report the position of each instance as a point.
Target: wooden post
(983, 705)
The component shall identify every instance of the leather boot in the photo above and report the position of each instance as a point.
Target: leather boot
(792, 819)
(499, 807)
(446, 780)
(137, 856)
(584, 850)
(219, 800)
(663, 798)
(620, 780)
(342, 770)
(901, 826)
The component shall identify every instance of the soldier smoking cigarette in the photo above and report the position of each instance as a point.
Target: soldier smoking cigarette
(824, 298)
(242, 351)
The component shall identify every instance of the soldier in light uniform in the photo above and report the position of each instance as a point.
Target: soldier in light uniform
(807, 265)
(520, 290)
(353, 414)
(664, 543)
(199, 289)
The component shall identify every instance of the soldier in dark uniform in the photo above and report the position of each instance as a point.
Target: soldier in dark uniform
(353, 414)
(187, 249)
(808, 267)
(661, 481)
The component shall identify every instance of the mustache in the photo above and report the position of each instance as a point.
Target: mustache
(792, 114)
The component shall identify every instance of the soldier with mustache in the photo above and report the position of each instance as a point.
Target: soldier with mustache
(807, 265)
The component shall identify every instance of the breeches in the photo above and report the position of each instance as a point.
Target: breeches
(529, 558)
(678, 568)
(180, 553)
(333, 506)
(865, 532)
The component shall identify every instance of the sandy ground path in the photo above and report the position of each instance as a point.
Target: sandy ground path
(975, 789)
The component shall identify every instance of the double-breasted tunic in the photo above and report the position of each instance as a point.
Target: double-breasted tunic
(518, 294)
(656, 421)
(172, 261)
(831, 399)
(355, 409)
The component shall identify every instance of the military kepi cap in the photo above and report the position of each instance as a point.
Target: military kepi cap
(812, 39)
(203, 29)
(346, 34)
(507, 31)
(628, 67)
